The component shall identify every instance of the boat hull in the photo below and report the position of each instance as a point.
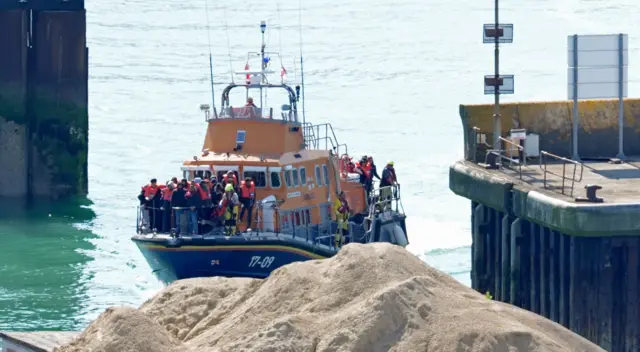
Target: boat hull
(224, 256)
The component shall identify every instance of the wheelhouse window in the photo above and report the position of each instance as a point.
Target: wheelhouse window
(325, 172)
(258, 177)
(303, 176)
(275, 179)
(318, 176)
(241, 136)
(287, 178)
(296, 179)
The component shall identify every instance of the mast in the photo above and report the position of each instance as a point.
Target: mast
(263, 64)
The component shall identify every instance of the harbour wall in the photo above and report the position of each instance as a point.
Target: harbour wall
(576, 264)
(553, 121)
(43, 99)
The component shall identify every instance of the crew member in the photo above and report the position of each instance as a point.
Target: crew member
(167, 193)
(387, 181)
(229, 204)
(250, 108)
(247, 198)
(342, 211)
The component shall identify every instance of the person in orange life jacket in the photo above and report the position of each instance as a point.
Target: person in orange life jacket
(167, 193)
(179, 205)
(194, 203)
(247, 198)
(153, 203)
(230, 177)
(203, 189)
(250, 108)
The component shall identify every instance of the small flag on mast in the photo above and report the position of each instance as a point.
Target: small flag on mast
(283, 74)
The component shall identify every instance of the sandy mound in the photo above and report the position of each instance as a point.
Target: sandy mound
(375, 297)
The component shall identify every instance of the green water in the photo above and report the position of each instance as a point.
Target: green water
(43, 281)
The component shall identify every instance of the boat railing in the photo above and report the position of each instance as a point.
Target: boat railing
(322, 136)
(572, 171)
(386, 198)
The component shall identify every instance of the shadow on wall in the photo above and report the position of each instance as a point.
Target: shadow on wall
(597, 131)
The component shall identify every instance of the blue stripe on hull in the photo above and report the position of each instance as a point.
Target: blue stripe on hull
(171, 265)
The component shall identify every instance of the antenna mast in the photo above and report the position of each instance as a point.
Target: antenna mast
(301, 61)
(263, 64)
(213, 99)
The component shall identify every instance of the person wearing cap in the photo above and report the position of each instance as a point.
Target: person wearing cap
(387, 180)
(229, 205)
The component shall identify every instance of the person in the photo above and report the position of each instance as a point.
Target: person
(205, 196)
(167, 194)
(373, 168)
(229, 204)
(179, 205)
(387, 180)
(250, 108)
(193, 202)
(342, 211)
(247, 198)
(230, 178)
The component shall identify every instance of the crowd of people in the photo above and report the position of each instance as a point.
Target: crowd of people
(216, 201)
(368, 170)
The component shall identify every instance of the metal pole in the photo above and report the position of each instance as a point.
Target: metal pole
(574, 133)
(497, 124)
(620, 96)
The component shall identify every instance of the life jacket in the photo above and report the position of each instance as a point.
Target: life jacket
(150, 191)
(367, 169)
(167, 193)
(225, 179)
(204, 194)
(248, 192)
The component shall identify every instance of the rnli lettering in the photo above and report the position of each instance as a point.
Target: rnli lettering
(263, 262)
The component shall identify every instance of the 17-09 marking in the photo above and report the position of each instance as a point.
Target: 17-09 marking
(263, 262)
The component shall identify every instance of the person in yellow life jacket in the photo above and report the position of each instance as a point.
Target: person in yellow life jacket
(229, 205)
(342, 211)
(247, 198)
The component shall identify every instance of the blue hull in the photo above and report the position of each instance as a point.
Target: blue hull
(222, 256)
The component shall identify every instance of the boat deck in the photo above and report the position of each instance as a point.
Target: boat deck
(34, 341)
(620, 182)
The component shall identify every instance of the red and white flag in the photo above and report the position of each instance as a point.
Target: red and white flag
(248, 77)
(283, 74)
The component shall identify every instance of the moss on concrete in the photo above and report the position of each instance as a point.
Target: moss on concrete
(12, 105)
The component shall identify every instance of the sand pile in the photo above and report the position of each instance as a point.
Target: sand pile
(375, 297)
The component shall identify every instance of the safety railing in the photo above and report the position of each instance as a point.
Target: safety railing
(385, 198)
(573, 175)
(322, 136)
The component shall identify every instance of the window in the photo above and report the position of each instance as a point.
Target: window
(207, 174)
(287, 178)
(275, 179)
(185, 174)
(258, 177)
(307, 215)
(303, 176)
(241, 136)
(318, 176)
(325, 172)
(296, 179)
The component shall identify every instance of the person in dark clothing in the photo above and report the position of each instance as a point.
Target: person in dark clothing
(373, 169)
(156, 205)
(387, 180)
(179, 204)
(194, 202)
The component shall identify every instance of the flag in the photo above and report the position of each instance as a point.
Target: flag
(248, 77)
(283, 74)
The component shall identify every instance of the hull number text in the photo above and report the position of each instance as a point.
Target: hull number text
(263, 262)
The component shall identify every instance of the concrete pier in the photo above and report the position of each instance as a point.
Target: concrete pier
(43, 98)
(536, 246)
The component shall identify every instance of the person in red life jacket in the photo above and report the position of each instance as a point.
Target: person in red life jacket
(247, 198)
(151, 189)
(216, 198)
(230, 178)
(194, 202)
(167, 193)
(179, 206)
(153, 199)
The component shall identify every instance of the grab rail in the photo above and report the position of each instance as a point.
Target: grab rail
(563, 176)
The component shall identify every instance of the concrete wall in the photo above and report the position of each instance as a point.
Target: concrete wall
(598, 125)
(43, 103)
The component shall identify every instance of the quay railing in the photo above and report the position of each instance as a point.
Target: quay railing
(572, 176)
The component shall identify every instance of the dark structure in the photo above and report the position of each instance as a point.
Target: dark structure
(557, 237)
(43, 98)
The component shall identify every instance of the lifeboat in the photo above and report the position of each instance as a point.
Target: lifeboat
(298, 170)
